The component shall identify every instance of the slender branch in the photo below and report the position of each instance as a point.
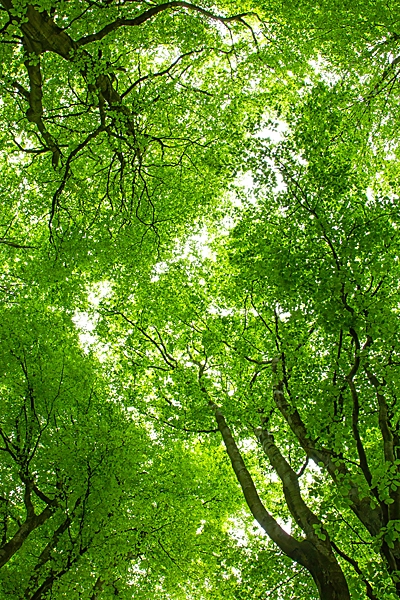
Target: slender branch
(169, 360)
(35, 112)
(67, 171)
(354, 564)
(371, 518)
(384, 422)
(160, 73)
(8, 550)
(302, 514)
(356, 433)
(152, 12)
(46, 555)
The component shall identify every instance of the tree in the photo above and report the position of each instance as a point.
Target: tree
(297, 348)
(124, 127)
(87, 493)
(129, 106)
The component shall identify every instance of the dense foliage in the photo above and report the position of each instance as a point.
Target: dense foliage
(200, 294)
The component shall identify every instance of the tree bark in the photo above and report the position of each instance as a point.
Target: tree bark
(326, 572)
(8, 550)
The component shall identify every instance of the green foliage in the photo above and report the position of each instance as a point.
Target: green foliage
(267, 314)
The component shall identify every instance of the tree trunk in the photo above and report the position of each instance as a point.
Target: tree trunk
(323, 566)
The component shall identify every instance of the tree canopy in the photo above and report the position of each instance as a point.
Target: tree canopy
(199, 331)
